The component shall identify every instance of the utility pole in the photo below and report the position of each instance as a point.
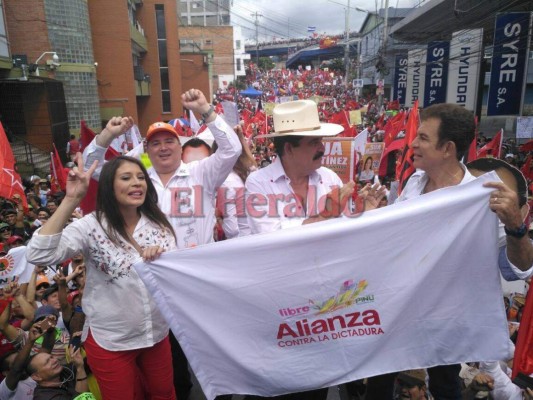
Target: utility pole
(347, 47)
(257, 15)
(288, 37)
(383, 55)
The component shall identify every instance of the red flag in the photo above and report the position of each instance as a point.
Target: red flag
(527, 146)
(88, 204)
(393, 105)
(58, 173)
(393, 126)
(380, 122)
(341, 118)
(523, 354)
(219, 109)
(472, 150)
(526, 168)
(10, 182)
(492, 148)
(87, 136)
(397, 144)
(405, 168)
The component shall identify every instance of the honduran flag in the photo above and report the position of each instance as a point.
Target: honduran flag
(311, 29)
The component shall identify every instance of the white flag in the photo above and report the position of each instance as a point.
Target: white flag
(195, 126)
(14, 264)
(360, 141)
(412, 285)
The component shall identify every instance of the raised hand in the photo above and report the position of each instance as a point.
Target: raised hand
(336, 200)
(119, 125)
(504, 202)
(194, 100)
(12, 289)
(59, 278)
(372, 195)
(78, 180)
(35, 332)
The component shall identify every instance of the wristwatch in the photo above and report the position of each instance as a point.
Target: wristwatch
(207, 114)
(517, 233)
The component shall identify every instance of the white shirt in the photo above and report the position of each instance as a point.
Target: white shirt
(232, 201)
(415, 187)
(195, 184)
(275, 205)
(23, 391)
(120, 311)
(504, 388)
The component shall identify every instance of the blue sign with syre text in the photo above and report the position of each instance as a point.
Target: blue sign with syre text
(438, 56)
(508, 66)
(400, 78)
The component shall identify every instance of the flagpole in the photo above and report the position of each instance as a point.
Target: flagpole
(53, 165)
(347, 47)
(501, 141)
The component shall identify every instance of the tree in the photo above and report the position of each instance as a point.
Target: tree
(334, 65)
(265, 63)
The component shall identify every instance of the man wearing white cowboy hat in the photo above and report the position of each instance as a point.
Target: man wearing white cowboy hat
(296, 180)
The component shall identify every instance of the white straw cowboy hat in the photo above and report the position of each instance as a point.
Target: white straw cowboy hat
(300, 118)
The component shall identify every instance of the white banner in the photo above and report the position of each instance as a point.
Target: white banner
(14, 264)
(412, 285)
(463, 69)
(416, 75)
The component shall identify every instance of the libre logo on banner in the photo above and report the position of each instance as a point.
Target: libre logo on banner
(508, 67)
(351, 324)
(400, 78)
(438, 55)
(465, 61)
(416, 72)
(7, 263)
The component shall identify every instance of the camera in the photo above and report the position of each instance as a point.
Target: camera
(53, 64)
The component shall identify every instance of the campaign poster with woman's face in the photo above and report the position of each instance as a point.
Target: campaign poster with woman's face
(369, 165)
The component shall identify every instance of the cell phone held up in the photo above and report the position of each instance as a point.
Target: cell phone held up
(523, 381)
(48, 323)
(75, 342)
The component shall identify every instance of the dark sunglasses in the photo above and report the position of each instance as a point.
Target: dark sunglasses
(5, 230)
(43, 285)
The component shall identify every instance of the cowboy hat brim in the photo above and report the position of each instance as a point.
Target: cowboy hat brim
(326, 129)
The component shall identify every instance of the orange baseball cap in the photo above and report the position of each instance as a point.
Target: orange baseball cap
(160, 127)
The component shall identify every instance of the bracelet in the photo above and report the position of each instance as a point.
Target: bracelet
(517, 233)
(207, 114)
(81, 379)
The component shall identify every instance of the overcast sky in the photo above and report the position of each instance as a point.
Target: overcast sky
(280, 18)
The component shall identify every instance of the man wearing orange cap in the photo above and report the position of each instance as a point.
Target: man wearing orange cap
(185, 191)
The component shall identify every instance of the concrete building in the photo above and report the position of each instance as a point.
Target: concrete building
(204, 12)
(224, 49)
(66, 61)
(205, 27)
(376, 56)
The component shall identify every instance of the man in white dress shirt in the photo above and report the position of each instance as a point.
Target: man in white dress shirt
(185, 192)
(288, 192)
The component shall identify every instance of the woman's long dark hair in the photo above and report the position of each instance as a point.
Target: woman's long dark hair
(107, 206)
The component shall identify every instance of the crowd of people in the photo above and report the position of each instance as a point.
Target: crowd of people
(85, 323)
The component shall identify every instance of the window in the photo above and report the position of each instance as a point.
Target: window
(238, 65)
(237, 45)
(4, 50)
(163, 61)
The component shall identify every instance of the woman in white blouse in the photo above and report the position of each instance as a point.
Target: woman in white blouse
(125, 335)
